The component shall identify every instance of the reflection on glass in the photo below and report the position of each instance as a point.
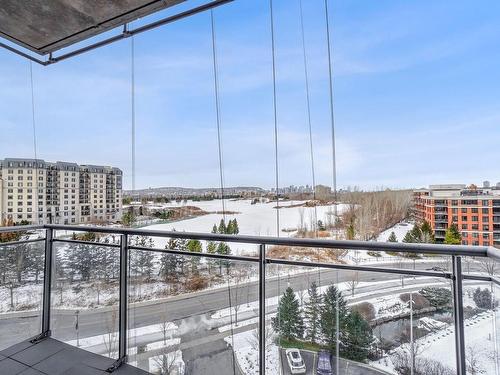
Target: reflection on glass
(85, 294)
(191, 314)
(21, 288)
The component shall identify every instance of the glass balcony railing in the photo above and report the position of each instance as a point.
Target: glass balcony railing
(188, 303)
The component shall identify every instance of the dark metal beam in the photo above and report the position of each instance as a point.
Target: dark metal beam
(123, 326)
(262, 310)
(47, 282)
(17, 243)
(458, 315)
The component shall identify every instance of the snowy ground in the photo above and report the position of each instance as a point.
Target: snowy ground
(245, 346)
(399, 230)
(253, 219)
(439, 345)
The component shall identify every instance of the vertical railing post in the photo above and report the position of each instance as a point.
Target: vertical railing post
(262, 309)
(458, 312)
(47, 282)
(122, 344)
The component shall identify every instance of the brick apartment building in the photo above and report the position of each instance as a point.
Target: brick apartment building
(475, 210)
(41, 192)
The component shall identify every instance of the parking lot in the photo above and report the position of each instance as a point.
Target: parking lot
(308, 357)
(345, 367)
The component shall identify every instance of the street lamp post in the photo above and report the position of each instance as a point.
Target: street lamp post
(77, 313)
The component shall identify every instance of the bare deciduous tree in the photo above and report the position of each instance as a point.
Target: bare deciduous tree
(473, 361)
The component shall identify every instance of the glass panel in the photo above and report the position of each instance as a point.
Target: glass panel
(85, 296)
(496, 325)
(21, 289)
(188, 313)
(385, 322)
(480, 327)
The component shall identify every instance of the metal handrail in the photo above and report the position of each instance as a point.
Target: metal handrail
(433, 249)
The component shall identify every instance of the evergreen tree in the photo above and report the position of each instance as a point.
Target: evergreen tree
(223, 249)
(351, 231)
(222, 227)
(482, 298)
(194, 246)
(392, 237)
(437, 297)
(229, 228)
(142, 261)
(214, 229)
(452, 235)
(211, 249)
(128, 218)
(288, 322)
(427, 233)
(408, 238)
(170, 263)
(236, 228)
(333, 303)
(79, 262)
(312, 313)
(358, 338)
(416, 234)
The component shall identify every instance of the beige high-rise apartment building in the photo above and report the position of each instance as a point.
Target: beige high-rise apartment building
(42, 192)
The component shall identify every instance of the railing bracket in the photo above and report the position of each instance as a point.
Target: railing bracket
(40, 337)
(116, 364)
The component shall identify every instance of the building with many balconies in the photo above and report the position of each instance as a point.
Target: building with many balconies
(41, 192)
(475, 210)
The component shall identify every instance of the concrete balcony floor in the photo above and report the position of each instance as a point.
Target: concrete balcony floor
(52, 357)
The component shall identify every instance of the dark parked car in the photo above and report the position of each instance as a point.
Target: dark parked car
(324, 364)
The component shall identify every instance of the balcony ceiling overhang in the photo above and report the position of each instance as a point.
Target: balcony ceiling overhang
(46, 26)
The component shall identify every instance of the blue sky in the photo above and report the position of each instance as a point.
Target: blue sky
(416, 97)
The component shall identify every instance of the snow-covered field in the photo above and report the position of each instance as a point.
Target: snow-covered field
(399, 230)
(253, 219)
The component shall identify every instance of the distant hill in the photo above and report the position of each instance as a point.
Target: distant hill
(172, 191)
